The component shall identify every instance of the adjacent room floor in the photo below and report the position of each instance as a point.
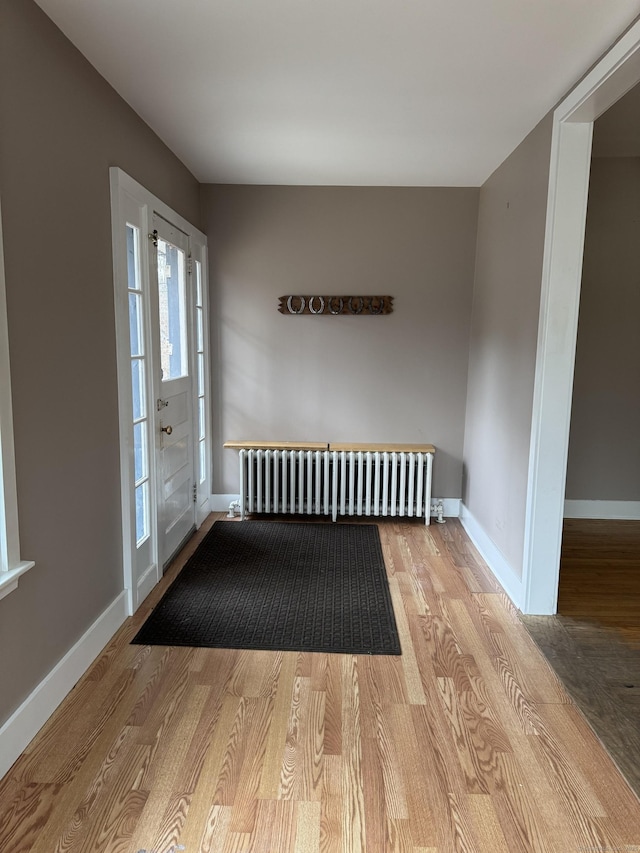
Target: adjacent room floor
(467, 742)
(594, 642)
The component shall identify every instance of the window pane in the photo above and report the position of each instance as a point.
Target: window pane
(198, 272)
(201, 424)
(173, 314)
(135, 318)
(137, 387)
(200, 375)
(133, 278)
(140, 450)
(202, 461)
(142, 512)
(199, 330)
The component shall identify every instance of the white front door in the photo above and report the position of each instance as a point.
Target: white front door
(161, 304)
(172, 335)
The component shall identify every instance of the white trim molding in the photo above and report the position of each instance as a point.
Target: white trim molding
(9, 579)
(11, 566)
(28, 719)
(623, 510)
(612, 77)
(451, 506)
(493, 557)
(147, 582)
(220, 503)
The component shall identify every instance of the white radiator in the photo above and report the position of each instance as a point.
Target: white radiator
(382, 484)
(315, 482)
(285, 481)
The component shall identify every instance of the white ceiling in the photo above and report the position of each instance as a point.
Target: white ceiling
(342, 92)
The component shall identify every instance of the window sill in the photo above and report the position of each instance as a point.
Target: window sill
(9, 580)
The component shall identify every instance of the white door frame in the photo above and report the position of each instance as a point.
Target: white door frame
(616, 73)
(129, 198)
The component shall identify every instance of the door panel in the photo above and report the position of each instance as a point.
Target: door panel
(176, 455)
(175, 391)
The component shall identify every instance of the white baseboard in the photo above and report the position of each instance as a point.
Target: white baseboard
(28, 719)
(220, 503)
(493, 557)
(629, 510)
(451, 506)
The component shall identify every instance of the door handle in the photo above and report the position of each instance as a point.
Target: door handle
(167, 429)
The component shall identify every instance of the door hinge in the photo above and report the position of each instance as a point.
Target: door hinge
(195, 492)
(154, 236)
(189, 265)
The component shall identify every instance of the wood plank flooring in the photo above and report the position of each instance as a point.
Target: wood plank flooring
(467, 742)
(594, 641)
(600, 573)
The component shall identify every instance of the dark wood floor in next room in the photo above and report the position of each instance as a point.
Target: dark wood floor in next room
(468, 742)
(594, 641)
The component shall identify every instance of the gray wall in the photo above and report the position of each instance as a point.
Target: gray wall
(604, 450)
(502, 358)
(616, 133)
(400, 377)
(61, 127)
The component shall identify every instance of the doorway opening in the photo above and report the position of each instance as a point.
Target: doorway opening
(602, 505)
(573, 121)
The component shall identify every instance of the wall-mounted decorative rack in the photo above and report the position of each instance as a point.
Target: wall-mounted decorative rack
(350, 305)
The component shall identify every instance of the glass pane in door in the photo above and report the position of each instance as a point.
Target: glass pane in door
(173, 311)
(138, 389)
(135, 323)
(142, 511)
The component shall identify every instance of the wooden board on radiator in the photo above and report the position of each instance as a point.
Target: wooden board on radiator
(382, 448)
(276, 445)
(323, 445)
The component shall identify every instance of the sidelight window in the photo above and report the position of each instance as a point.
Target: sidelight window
(139, 367)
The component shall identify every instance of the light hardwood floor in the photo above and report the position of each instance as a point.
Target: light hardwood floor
(467, 742)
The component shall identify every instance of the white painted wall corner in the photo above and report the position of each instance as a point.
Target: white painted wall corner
(493, 557)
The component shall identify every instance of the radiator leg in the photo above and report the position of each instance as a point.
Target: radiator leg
(438, 508)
